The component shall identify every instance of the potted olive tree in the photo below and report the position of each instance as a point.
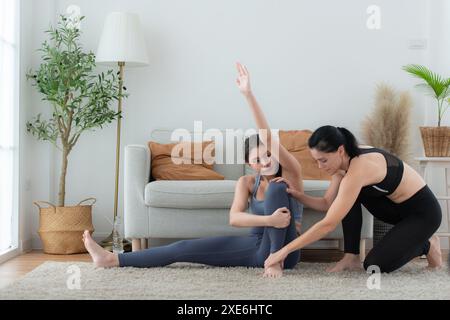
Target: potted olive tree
(436, 140)
(79, 100)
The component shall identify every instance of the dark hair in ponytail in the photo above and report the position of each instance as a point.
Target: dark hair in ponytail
(330, 138)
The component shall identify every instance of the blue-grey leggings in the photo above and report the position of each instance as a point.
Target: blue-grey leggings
(228, 251)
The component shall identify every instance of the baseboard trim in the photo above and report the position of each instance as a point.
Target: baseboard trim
(9, 254)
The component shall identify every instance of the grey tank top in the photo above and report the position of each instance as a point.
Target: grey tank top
(257, 206)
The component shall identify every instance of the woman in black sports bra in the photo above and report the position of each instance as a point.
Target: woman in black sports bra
(390, 190)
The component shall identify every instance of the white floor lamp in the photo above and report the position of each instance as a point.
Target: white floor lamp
(121, 44)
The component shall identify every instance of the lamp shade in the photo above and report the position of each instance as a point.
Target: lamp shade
(122, 40)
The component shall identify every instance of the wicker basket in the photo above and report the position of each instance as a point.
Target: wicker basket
(61, 228)
(436, 141)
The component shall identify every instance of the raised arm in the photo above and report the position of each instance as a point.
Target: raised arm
(349, 190)
(287, 161)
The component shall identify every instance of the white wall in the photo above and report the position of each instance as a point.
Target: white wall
(35, 161)
(439, 60)
(312, 63)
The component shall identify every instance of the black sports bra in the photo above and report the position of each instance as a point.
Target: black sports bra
(393, 176)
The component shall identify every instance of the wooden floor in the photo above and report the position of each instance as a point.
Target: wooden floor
(19, 266)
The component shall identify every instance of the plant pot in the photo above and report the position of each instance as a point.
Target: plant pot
(61, 228)
(436, 141)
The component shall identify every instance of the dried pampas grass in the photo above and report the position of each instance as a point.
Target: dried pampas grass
(389, 125)
(388, 128)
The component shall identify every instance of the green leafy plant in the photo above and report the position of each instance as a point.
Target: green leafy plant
(436, 85)
(79, 98)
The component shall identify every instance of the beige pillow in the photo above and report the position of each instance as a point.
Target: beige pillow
(296, 142)
(194, 167)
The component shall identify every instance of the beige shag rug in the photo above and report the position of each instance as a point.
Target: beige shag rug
(80, 280)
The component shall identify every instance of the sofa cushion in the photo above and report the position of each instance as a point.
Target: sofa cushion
(190, 194)
(201, 153)
(316, 188)
(296, 142)
(229, 171)
(206, 194)
(183, 161)
(175, 172)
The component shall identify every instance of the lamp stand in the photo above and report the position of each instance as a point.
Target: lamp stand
(107, 243)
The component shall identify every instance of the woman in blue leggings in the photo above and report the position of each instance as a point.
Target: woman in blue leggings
(273, 217)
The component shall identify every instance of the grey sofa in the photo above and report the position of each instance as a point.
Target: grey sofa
(192, 209)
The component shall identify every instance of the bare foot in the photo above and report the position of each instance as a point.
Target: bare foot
(434, 256)
(100, 256)
(274, 271)
(349, 262)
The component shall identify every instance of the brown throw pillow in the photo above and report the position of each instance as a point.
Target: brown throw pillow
(296, 142)
(194, 166)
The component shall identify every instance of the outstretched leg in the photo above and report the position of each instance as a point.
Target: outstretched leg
(215, 251)
(228, 251)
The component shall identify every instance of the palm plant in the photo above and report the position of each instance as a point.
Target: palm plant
(436, 85)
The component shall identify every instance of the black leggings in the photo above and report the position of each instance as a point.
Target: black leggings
(415, 221)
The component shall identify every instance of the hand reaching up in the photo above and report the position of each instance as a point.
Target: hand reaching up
(243, 79)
